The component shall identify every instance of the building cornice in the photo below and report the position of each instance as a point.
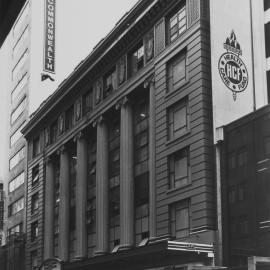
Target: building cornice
(135, 21)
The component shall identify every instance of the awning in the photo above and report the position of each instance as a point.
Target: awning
(156, 254)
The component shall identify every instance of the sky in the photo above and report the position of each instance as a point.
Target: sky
(82, 25)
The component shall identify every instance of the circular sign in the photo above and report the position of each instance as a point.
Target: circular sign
(233, 72)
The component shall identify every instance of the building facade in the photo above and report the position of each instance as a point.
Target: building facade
(120, 157)
(129, 159)
(245, 182)
(20, 50)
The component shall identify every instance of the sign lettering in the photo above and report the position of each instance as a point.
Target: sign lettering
(49, 44)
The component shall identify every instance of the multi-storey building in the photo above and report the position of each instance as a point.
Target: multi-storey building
(120, 157)
(21, 45)
(124, 159)
(246, 188)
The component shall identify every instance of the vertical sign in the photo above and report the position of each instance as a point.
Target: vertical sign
(231, 61)
(49, 45)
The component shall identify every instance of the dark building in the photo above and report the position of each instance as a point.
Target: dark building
(246, 188)
(120, 157)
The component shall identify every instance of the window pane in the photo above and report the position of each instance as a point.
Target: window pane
(18, 111)
(180, 168)
(180, 119)
(179, 71)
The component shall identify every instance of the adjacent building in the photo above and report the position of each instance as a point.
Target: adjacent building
(245, 185)
(21, 47)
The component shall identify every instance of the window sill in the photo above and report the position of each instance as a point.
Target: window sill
(171, 141)
(35, 186)
(174, 91)
(34, 215)
(172, 190)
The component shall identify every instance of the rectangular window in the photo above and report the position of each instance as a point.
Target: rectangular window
(35, 175)
(16, 158)
(267, 146)
(21, 20)
(53, 131)
(179, 168)
(69, 118)
(178, 120)
(176, 72)
(36, 146)
(242, 157)
(17, 90)
(20, 64)
(34, 204)
(137, 59)
(18, 111)
(266, 4)
(231, 161)
(177, 24)
(20, 42)
(16, 207)
(16, 135)
(34, 231)
(110, 82)
(16, 182)
(88, 101)
(180, 219)
(242, 189)
(34, 260)
(232, 195)
(16, 229)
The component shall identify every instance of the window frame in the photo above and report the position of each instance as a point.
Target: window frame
(14, 180)
(171, 64)
(184, 129)
(20, 154)
(181, 154)
(112, 86)
(175, 15)
(20, 108)
(34, 203)
(173, 208)
(136, 66)
(36, 146)
(88, 97)
(34, 231)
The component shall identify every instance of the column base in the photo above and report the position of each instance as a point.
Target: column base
(79, 258)
(125, 247)
(100, 253)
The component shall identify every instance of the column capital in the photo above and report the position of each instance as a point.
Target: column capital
(80, 135)
(48, 160)
(123, 102)
(62, 148)
(149, 81)
(98, 120)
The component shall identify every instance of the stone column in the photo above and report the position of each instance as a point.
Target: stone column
(126, 176)
(102, 188)
(64, 205)
(81, 193)
(49, 210)
(152, 157)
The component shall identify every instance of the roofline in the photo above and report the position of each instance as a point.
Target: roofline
(122, 27)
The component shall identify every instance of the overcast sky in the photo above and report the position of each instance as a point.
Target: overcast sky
(84, 23)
